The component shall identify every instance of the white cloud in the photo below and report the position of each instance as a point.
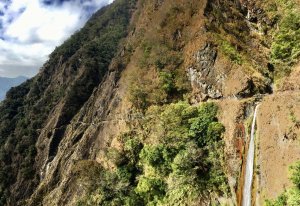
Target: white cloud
(31, 30)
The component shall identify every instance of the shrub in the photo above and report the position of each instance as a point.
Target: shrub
(291, 197)
(231, 52)
(151, 188)
(152, 155)
(286, 46)
(132, 148)
(296, 174)
(167, 81)
(215, 131)
(280, 201)
(116, 156)
(189, 160)
(204, 126)
(139, 97)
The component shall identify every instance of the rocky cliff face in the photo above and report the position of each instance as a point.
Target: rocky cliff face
(131, 58)
(35, 117)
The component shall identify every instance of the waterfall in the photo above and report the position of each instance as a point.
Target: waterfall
(250, 165)
(248, 15)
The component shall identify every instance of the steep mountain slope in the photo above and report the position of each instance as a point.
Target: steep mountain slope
(53, 98)
(117, 115)
(7, 83)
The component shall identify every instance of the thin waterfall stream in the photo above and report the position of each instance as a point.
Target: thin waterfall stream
(250, 164)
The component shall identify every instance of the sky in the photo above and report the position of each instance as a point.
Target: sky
(31, 29)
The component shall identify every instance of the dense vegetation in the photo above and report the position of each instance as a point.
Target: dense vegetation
(285, 49)
(26, 109)
(173, 156)
(291, 196)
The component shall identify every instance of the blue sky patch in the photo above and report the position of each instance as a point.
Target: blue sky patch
(31, 29)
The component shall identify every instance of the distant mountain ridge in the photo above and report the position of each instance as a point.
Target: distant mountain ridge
(7, 83)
